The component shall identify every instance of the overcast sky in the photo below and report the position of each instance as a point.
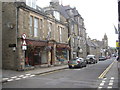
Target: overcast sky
(100, 16)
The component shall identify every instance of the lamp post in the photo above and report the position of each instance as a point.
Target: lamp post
(119, 28)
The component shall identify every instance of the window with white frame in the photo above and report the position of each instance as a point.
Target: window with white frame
(60, 30)
(31, 3)
(35, 27)
(41, 23)
(49, 30)
(31, 25)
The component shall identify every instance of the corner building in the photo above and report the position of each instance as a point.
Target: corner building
(32, 38)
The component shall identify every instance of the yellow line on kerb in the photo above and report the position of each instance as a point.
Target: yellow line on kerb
(106, 71)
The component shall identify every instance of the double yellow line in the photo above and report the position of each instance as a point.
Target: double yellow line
(106, 71)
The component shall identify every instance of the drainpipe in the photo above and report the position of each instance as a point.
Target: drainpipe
(16, 53)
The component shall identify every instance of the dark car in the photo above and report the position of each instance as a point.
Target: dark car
(76, 62)
(91, 59)
(101, 58)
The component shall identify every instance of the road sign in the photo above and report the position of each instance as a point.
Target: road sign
(24, 36)
(24, 43)
(24, 47)
(117, 43)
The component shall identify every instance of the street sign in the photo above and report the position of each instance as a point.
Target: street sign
(117, 44)
(24, 43)
(24, 36)
(24, 47)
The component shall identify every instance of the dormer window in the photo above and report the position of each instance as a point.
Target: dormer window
(56, 14)
(31, 3)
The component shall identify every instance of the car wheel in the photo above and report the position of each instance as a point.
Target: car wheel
(70, 66)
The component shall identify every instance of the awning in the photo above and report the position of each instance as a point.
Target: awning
(36, 43)
(62, 46)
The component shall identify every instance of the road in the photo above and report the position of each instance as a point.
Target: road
(91, 76)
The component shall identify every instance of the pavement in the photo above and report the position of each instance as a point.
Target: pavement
(7, 74)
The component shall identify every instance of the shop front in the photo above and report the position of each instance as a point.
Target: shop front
(36, 54)
(62, 53)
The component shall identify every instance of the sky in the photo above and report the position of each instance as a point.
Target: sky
(99, 16)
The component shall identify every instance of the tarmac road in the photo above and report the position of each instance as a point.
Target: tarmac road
(101, 75)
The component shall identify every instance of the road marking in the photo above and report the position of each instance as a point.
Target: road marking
(101, 84)
(10, 80)
(14, 77)
(109, 87)
(106, 71)
(5, 78)
(31, 75)
(100, 87)
(103, 81)
(104, 78)
(17, 78)
(112, 78)
(77, 69)
(27, 74)
(21, 75)
(24, 77)
(110, 83)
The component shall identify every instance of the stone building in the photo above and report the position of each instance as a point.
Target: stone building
(76, 28)
(32, 38)
(97, 47)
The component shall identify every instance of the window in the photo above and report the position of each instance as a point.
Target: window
(31, 3)
(56, 15)
(49, 30)
(35, 27)
(31, 25)
(41, 23)
(60, 30)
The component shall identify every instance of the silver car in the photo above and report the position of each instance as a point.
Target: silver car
(76, 62)
(91, 59)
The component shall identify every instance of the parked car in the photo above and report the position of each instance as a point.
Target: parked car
(101, 58)
(91, 59)
(107, 57)
(76, 62)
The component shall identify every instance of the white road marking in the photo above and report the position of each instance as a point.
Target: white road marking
(77, 69)
(25, 77)
(100, 87)
(5, 78)
(109, 87)
(103, 81)
(21, 75)
(32, 75)
(101, 84)
(10, 80)
(17, 78)
(14, 77)
(27, 74)
(104, 78)
(112, 78)
(110, 83)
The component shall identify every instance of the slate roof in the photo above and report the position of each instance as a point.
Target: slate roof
(89, 43)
